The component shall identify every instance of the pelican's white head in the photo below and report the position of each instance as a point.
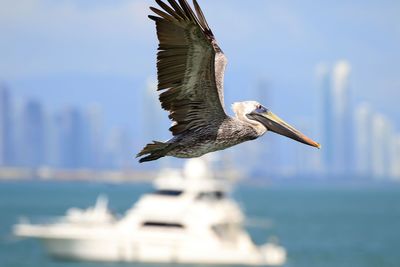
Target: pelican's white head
(241, 109)
(262, 120)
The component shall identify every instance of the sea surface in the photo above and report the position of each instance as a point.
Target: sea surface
(318, 225)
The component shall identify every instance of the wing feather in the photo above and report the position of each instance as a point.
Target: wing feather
(201, 16)
(163, 14)
(190, 67)
(170, 11)
(177, 9)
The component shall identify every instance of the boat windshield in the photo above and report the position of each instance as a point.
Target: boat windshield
(172, 193)
(212, 195)
(163, 224)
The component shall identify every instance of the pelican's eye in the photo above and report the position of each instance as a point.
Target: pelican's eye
(261, 109)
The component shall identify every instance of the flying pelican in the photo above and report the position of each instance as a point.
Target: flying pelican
(190, 67)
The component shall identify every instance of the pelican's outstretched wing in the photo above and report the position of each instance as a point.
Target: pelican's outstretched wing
(190, 67)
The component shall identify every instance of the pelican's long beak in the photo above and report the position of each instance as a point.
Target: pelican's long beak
(279, 126)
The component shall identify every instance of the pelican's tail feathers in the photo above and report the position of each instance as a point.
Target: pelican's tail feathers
(153, 151)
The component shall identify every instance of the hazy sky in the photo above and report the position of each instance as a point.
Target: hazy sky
(79, 52)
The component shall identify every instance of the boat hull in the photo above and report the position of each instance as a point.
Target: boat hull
(133, 249)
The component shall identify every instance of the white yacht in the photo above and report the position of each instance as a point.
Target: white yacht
(188, 219)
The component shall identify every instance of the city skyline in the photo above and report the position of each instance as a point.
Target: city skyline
(76, 138)
(69, 138)
(358, 139)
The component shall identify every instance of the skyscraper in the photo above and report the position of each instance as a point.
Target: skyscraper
(32, 148)
(326, 119)
(308, 161)
(342, 119)
(95, 155)
(120, 149)
(382, 136)
(363, 139)
(5, 127)
(395, 169)
(153, 116)
(71, 140)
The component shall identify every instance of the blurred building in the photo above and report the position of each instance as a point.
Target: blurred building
(326, 118)
(382, 136)
(5, 127)
(153, 116)
(395, 169)
(95, 153)
(32, 146)
(342, 119)
(363, 140)
(71, 139)
(306, 159)
(52, 140)
(377, 147)
(120, 151)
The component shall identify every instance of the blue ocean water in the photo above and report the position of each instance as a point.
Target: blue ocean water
(318, 225)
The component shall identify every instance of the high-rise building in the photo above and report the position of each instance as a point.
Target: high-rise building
(306, 159)
(32, 148)
(153, 116)
(5, 127)
(342, 147)
(71, 139)
(53, 141)
(95, 153)
(326, 119)
(120, 151)
(363, 140)
(395, 169)
(382, 136)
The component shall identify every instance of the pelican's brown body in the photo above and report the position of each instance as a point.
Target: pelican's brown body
(190, 68)
(208, 139)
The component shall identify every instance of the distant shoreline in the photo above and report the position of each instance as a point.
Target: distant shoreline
(47, 174)
(132, 177)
